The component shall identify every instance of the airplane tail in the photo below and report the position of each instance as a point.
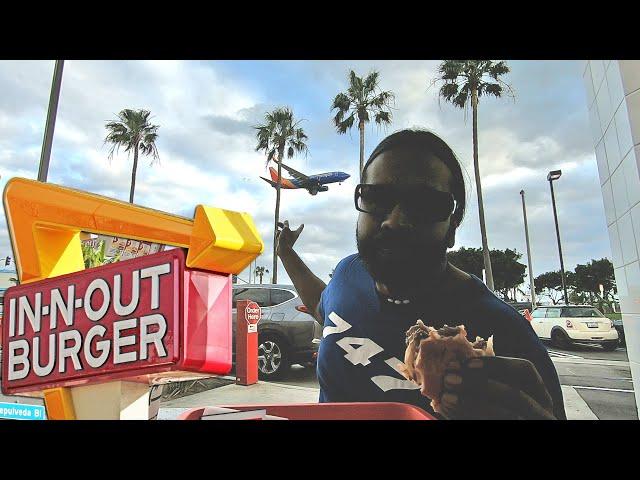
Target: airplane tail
(273, 184)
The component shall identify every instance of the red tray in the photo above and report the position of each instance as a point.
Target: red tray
(329, 411)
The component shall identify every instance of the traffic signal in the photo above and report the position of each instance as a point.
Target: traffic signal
(7, 261)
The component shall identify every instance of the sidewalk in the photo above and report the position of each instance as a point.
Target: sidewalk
(259, 393)
(270, 393)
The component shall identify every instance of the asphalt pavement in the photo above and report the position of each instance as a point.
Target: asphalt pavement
(602, 379)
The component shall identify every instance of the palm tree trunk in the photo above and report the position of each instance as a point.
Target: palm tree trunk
(274, 278)
(476, 166)
(133, 172)
(361, 128)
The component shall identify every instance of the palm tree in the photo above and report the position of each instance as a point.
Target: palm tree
(260, 271)
(279, 134)
(362, 99)
(132, 131)
(464, 81)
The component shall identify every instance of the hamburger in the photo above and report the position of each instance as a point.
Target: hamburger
(430, 350)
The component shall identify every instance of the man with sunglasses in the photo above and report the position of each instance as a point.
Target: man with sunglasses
(411, 201)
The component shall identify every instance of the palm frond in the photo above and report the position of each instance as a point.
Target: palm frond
(355, 89)
(342, 103)
(449, 90)
(383, 118)
(370, 83)
(461, 99)
(497, 69)
(494, 89)
(345, 124)
(451, 69)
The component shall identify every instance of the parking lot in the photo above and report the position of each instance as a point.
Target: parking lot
(601, 379)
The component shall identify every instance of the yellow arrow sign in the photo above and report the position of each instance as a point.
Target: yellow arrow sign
(45, 222)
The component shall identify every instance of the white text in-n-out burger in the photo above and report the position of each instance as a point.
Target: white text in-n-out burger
(65, 342)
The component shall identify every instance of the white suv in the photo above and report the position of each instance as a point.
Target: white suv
(565, 324)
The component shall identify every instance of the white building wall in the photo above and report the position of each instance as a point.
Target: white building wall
(613, 96)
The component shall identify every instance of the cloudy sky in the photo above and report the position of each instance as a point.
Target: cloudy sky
(206, 110)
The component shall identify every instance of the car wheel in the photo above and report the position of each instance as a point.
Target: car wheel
(560, 339)
(273, 357)
(610, 346)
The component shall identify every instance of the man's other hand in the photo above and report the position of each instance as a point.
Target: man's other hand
(495, 388)
(286, 238)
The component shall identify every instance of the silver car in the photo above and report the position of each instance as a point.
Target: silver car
(287, 334)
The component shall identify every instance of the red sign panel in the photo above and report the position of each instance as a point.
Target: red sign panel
(252, 313)
(126, 319)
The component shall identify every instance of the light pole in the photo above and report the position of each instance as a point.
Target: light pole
(555, 175)
(45, 155)
(526, 234)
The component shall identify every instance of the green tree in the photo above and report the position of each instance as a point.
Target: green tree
(467, 259)
(550, 284)
(133, 132)
(362, 100)
(464, 82)
(508, 274)
(279, 134)
(590, 276)
(260, 271)
(93, 257)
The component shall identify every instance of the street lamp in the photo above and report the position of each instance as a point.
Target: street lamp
(555, 175)
(526, 233)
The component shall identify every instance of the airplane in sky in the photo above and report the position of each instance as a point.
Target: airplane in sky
(312, 183)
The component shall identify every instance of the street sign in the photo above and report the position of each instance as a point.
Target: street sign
(20, 411)
(144, 318)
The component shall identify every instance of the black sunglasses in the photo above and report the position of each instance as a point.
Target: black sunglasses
(419, 201)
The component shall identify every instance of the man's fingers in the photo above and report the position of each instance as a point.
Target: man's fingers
(460, 408)
(299, 229)
(496, 401)
(518, 373)
(517, 401)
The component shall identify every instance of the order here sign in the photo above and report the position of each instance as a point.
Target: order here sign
(120, 320)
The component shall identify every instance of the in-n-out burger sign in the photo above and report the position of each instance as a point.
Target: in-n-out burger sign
(136, 319)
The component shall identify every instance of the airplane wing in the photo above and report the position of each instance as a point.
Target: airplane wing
(296, 174)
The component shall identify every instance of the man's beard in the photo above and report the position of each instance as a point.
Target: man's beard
(401, 262)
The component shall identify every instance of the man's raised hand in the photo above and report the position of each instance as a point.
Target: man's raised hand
(286, 238)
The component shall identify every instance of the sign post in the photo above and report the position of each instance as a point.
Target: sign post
(247, 320)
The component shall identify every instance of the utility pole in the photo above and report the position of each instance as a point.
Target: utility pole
(45, 155)
(526, 233)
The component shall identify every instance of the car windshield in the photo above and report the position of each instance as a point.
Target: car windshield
(579, 312)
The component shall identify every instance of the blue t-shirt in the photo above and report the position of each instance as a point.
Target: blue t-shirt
(364, 337)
